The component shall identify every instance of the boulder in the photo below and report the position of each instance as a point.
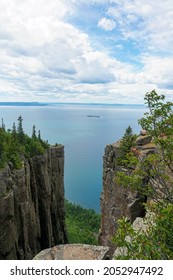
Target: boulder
(74, 252)
(143, 140)
(143, 132)
(149, 146)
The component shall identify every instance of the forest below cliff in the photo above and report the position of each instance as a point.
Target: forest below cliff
(82, 224)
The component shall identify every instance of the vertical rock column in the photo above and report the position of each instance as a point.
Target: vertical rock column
(32, 214)
(114, 198)
(116, 201)
(49, 178)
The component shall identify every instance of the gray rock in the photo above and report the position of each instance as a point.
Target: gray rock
(143, 132)
(74, 252)
(116, 201)
(143, 140)
(32, 206)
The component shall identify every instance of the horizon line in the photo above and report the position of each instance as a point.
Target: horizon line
(38, 103)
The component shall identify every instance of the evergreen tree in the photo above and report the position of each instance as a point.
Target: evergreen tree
(127, 140)
(20, 130)
(126, 143)
(14, 143)
(34, 136)
(2, 148)
(14, 131)
(39, 135)
(82, 224)
(3, 125)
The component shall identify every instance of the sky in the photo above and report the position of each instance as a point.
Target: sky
(94, 51)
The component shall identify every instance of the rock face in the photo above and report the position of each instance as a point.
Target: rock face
(32, 214)
(117, 201)
(74, 252)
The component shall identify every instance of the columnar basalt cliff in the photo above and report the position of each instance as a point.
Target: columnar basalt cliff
(117, 201)
(32, 214)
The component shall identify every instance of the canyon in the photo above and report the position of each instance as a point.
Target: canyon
(32, 211)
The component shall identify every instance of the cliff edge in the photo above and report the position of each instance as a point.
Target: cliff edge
(118, 201)
(32, 213)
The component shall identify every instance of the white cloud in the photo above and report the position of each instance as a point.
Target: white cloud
(43, 50)
(47, 53)
(149, 22)
(158, 70)
(107, 24)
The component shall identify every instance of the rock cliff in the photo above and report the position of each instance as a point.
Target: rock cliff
(32, 215)
(117, 201)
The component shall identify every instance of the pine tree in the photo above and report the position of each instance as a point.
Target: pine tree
(20, 130)
(14, 131)
(127, 142)
(2, 150)
(34, 136)
(3, 125)
(39, 136)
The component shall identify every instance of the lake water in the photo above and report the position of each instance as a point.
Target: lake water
(84, 139)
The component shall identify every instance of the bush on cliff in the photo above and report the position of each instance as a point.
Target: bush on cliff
(157, 170)
(155, 242)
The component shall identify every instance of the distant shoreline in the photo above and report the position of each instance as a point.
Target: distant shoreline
(66, 104)
(22, 104)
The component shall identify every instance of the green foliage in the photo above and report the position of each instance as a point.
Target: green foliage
(39, 135)
(155, 242)
(34, 132)
(152, 177)
(15, 143)
(3, 125)
(125, 154)
(14, 132)
(82, 224)
(156, 168)
(20, 132)
(158, 121)
(2, 148)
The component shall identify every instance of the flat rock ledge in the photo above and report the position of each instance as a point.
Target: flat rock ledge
(74, 252)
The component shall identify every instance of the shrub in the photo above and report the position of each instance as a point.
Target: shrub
(154, 243)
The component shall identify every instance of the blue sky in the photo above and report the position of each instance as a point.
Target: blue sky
(103, 51)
